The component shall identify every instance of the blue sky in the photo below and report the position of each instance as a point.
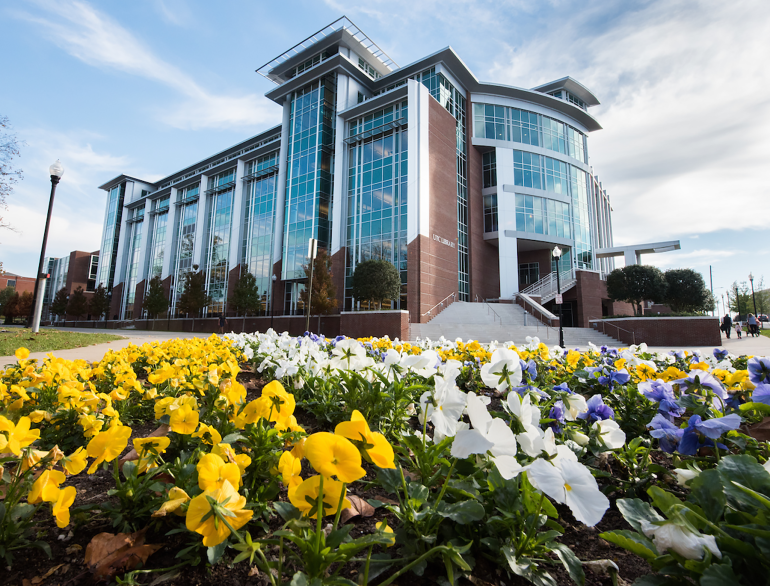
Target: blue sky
(149, 86)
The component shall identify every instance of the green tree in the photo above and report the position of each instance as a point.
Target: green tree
(740, 298)
(375, 280)
(155, 301)
(59, 303)
(78, 303)
(99, 304)
(5, 296)
(635, 284)
(324, 297)
(245, 298)
(194, 297)
(686, 291)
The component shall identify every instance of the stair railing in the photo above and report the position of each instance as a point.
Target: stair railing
(593, 320)
(494, 313)
(440, 304)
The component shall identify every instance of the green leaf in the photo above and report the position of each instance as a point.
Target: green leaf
(299, 579)
(463, 512)
(719, 575)
(45, 547)
(761, 408)
(707, 490)
(287, 511)
(570, 562)
(389, 479)
(635, 511)
(747, 472)
(526, 568)
(653, 580)
(214, 554)
(663, 499)
(379, 563)
(633, 542)
(231, 438)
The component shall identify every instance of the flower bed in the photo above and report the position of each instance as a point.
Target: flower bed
(277, 459)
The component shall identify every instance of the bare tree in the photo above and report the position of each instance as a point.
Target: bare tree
(9, 148)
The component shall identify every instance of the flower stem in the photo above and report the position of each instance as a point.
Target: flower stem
(446, 483)
(366, 568)
(319, 514)
(531, 529)
(339, 506)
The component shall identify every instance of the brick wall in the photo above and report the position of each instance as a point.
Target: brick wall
(676, 332)
(436, 261)
(23, 284)
(117, 298)
(139, 297)
(361, 324)
(338, 276)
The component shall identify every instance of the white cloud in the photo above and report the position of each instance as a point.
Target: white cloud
(685, 113)
(98, 40)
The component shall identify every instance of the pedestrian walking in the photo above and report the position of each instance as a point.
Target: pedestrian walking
(753, 325)
(727, 325)
(738, 329)
(222, 323)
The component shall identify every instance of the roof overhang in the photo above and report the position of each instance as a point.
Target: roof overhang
(120, 179)
(633, 253)
(572, 86)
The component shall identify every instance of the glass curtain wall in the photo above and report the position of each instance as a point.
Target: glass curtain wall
(158, 244)
(186, 221)
(309, 182)
(222, 190)
(451, 99)
(377, 198)
(134, 250)
(93, 268)
(259, 222)
(522, 126)
(109, 249)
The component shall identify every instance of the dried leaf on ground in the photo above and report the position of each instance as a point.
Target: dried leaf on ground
(39, 579)
(359, 507)
(760, 431)
(109, 554)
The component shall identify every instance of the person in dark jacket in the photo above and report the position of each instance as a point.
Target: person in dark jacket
(727, 325)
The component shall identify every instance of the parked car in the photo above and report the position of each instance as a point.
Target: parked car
(763, 317)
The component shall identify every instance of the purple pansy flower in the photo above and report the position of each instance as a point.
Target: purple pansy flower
(564, 388)
(597, 410)
(720, 354)
(761, 394)
(557, 414)
(615, 377)
(667, 434)
(662, 393)
(759, 370)
(711, 428)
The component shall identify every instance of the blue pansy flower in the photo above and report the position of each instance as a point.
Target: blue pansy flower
(597, 410)
(564, 388)
(761, 394)
(557, 414)
(759, 370)
(615, 377)
(720, 354)
(662, 393)
(667, 434)
(710, 428)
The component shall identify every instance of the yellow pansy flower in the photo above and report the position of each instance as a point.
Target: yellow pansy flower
(289, 466)
(46, 487)
(376, 448)
(18, 436)
(202, 515)
(176, 498)
(21, 354)
(334, 455)
(383, 526)
(213, 472)
(208, 434)
(149, 449)
(108, 445)
(183, 420)
(61, 508)
(305, 497)
(75, 463)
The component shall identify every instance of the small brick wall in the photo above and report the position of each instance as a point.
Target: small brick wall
(362, 324)
(675, 332)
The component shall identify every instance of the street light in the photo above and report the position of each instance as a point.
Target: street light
(55, 171)
(557, 255)
(753, 296)
(272, 299)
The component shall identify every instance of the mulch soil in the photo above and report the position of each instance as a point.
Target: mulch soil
(67, 567)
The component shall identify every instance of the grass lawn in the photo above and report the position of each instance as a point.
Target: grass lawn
(47, 340)
(765, 333)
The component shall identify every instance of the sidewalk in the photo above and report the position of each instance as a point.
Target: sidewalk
(747, 345)
(97, 351)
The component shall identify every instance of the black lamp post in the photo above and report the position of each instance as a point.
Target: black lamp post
(55, 171)
(272, 302)
(753, 296)
(557, 255)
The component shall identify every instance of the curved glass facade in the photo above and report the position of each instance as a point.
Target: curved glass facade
(523, 126)
(134, 243)
(109, 251)
(158, 244)
(222, 189)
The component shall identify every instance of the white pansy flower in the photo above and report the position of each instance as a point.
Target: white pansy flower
(503, 370)
(610, 433)
(683, 475)
(443, 407)
(571, 484)
(575, 404)
(681, 540)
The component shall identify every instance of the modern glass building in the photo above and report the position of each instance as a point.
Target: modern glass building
(465, 186)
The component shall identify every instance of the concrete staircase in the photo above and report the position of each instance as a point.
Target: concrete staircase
(503, 322)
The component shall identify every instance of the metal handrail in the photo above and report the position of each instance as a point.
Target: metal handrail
(452, 295)
(489, 308)
(542, 311)
(548, 284)
(601, 319)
